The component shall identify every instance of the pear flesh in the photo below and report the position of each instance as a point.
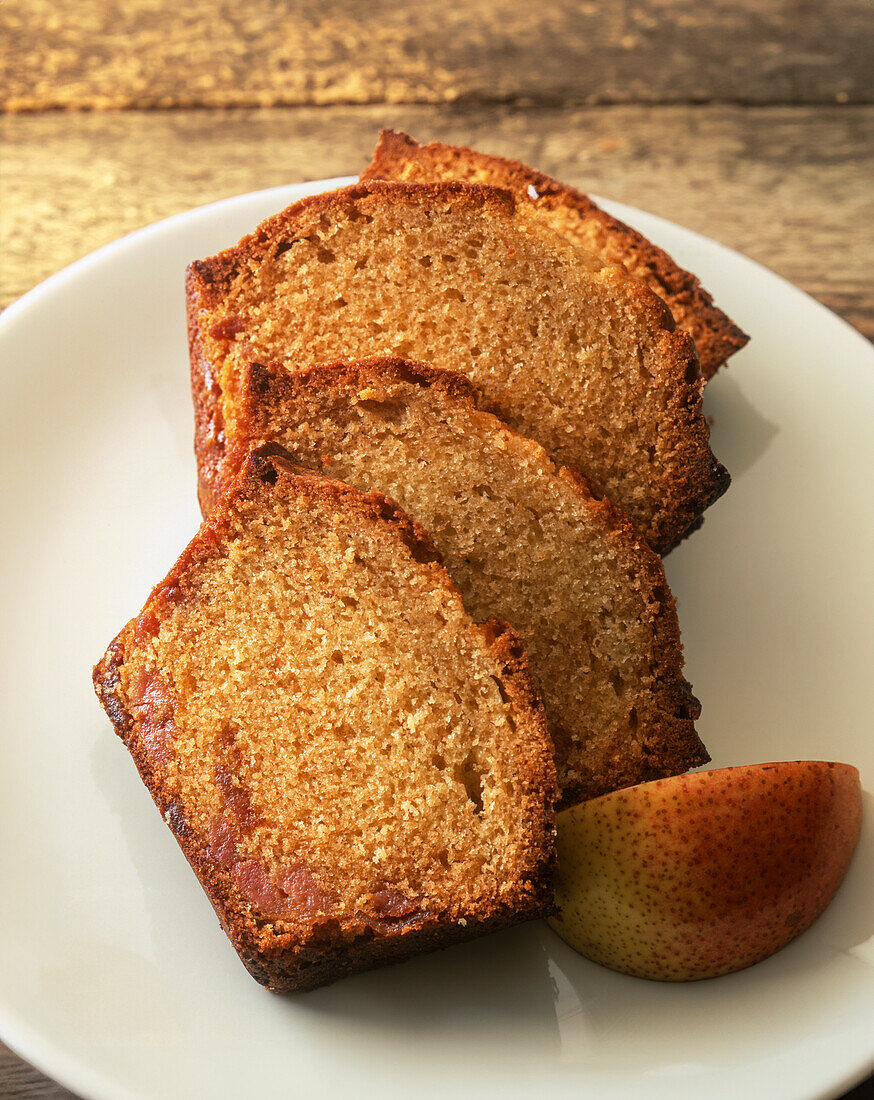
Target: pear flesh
(700, 875)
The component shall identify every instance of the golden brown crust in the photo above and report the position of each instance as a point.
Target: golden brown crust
(398, 156)
(206, 396)
(519, 684)
(699, 478)
(268, 462)
(282, 383)
(260, 378)
(281, 961)
(696, 478)
(671, 744)
(328, 949)
(712, 482)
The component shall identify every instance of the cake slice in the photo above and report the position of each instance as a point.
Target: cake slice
(573, 353)
(575, 216)
(354, 769)
(521, 540)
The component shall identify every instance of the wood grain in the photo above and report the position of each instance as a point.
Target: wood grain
(143, 53)
(20, 1080)
(789, 187)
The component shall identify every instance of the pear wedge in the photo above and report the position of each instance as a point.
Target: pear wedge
(704, 874)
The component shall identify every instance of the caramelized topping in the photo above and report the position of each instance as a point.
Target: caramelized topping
(238, 799)
(147, 627)
(304, 894)
(390, 909)
(223, 840)
(252, 880)
(391, 903)
(228, 327)
(154, 708)
(297, 895)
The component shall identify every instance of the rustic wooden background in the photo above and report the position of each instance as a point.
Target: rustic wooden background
(751, 121)
(748, 120)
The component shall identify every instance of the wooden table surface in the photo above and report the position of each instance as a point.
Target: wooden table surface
(751, 122)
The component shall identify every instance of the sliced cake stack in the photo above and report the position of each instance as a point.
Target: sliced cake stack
(422, 412)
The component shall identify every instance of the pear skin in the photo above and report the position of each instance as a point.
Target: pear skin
(700, 875)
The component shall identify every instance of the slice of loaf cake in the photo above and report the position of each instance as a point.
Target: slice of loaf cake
(575, 216)
(521, 540)
(573, 353)
(355, 770)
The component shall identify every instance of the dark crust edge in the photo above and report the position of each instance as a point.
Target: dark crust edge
(206, 397)
(698, 477)
(259, 378)
(694, 477)
(717, 337)
(213, 275)
(673, 745)
(288, 962)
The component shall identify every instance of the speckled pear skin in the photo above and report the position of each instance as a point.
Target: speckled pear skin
(701, 875)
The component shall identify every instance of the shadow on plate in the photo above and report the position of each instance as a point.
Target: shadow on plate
(739, 434)
(501, 984)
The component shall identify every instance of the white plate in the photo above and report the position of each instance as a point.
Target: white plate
(114, 975)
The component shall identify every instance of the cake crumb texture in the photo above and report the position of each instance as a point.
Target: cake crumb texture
(521, 539)
(355, 770)
(571, 352)
(573, 214)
